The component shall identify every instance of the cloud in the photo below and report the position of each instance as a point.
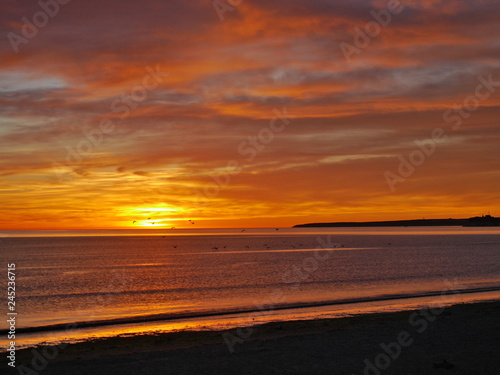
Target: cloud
(225, 80)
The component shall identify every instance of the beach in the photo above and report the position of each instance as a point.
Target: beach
(461, 339)
(250, 187)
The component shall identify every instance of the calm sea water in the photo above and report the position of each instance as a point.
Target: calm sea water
(103, 276)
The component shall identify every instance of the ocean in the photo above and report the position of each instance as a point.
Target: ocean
(79, 285)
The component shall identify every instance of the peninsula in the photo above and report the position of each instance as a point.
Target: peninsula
(478, 221)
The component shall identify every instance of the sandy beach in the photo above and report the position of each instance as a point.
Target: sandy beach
(462, 339)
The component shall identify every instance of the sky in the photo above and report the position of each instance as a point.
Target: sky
(247, 113)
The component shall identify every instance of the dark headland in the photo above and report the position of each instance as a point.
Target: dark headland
(478, 221)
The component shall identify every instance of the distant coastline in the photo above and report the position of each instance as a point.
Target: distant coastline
(478, 221)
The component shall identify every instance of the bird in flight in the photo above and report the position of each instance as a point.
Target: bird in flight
(133, 222)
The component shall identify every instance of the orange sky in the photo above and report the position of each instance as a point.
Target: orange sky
(120, 111)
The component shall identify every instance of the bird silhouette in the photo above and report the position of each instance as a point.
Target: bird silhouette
(133, 222)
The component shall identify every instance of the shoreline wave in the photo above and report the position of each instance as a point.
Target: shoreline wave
(243, 310)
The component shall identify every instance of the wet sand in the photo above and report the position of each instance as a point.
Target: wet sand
(462, 339)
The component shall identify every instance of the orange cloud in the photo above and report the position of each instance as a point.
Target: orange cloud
(174, 145)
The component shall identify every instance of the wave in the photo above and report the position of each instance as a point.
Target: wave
(236, 287)
(243, 310)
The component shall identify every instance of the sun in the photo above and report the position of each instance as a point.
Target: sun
(152, 217)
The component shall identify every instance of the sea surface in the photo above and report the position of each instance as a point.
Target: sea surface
(130, 282)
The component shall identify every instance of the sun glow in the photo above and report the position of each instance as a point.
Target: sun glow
(156, 209)
(152, 217)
